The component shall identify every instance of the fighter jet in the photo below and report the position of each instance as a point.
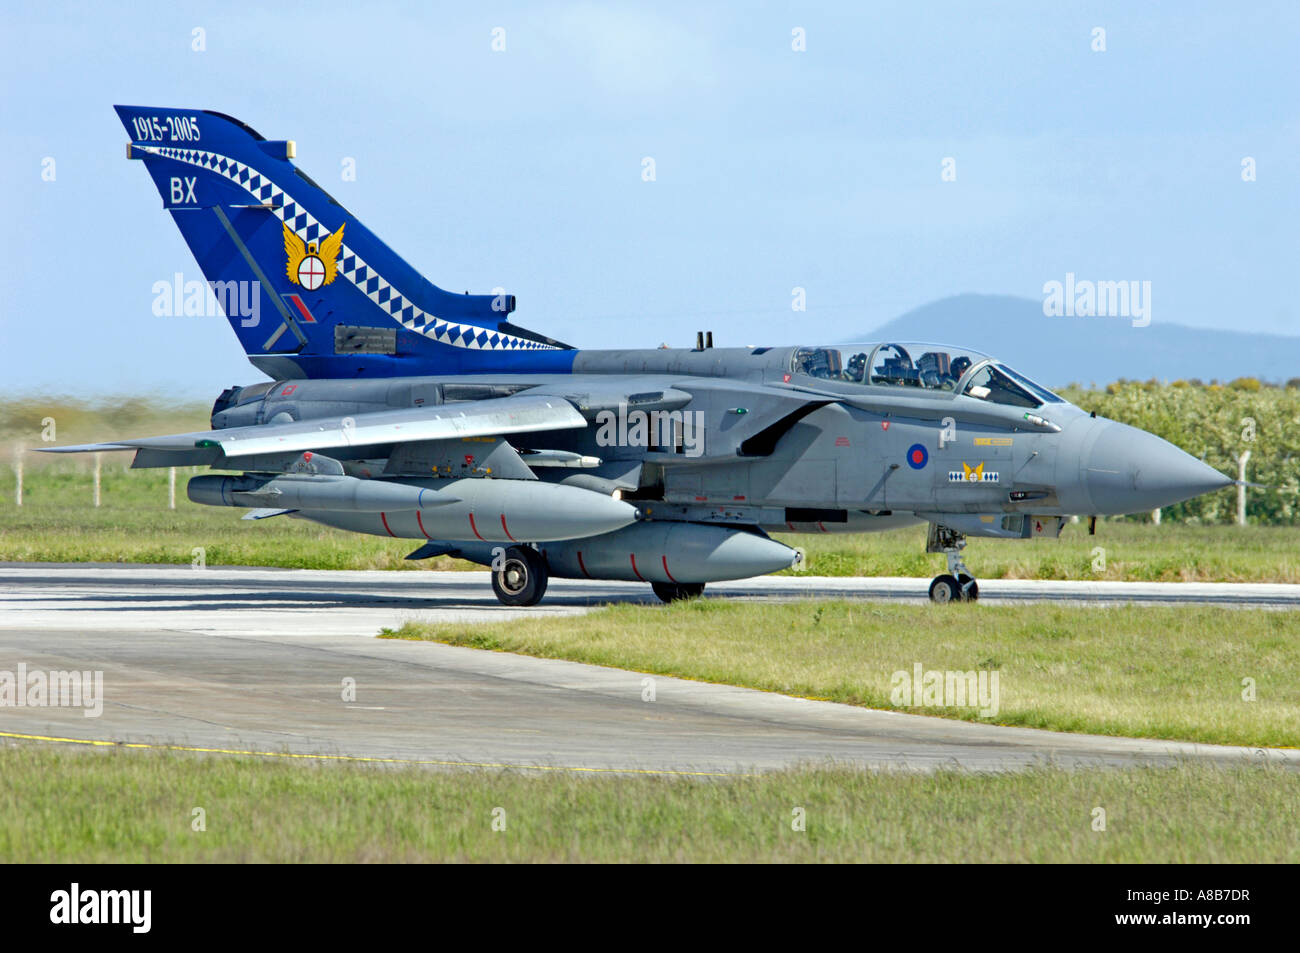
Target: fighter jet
(398, 409)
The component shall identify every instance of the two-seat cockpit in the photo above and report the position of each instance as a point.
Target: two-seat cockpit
(926, 367)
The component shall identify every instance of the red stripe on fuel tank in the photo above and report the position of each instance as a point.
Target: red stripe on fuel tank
(506, 528)
(421, 522)
(666, 572)
(473, 527)
(632, 556)
(384, 518)
(582, 565)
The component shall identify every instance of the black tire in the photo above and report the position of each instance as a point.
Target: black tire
(676, 591)
(522, 578)
(945, 589)
(970, 589)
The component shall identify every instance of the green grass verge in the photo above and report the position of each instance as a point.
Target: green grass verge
(1174, 673)
(86, 807)
(1130, 552)
(133, 524)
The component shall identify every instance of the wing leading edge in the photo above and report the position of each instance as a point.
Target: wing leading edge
(482, 418)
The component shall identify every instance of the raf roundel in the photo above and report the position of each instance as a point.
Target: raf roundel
(917, 456)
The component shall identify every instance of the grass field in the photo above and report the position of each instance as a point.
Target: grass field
(1158, 672)
(62, 806)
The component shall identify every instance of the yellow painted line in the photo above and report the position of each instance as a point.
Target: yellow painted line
(360, 759)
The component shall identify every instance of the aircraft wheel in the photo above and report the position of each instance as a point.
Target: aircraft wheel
(522, 578)
(970, 589)
(676, 591)
(945, 589)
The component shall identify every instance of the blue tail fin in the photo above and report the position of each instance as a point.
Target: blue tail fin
(309, 290)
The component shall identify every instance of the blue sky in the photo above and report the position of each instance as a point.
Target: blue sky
(775, 169)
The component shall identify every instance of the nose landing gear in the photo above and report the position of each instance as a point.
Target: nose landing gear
(957, 585)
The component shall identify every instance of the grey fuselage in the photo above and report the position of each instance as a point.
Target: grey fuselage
(743, 437)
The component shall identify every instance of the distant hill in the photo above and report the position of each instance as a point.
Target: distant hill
(1058, 351)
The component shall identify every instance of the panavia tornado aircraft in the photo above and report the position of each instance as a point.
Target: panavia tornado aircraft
(399, 409)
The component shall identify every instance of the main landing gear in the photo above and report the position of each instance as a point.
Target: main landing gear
(521, 578)
(520, 574)
(957, 585)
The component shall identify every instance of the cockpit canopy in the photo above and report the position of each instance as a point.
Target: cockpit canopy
(930, 367)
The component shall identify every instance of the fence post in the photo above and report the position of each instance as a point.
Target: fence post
(171, 488)
(1155, 516)
(1241, 487)
(97, 464)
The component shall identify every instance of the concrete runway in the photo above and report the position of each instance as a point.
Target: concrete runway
(254, 660)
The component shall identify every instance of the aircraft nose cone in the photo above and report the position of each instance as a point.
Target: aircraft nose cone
(1131, 471)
